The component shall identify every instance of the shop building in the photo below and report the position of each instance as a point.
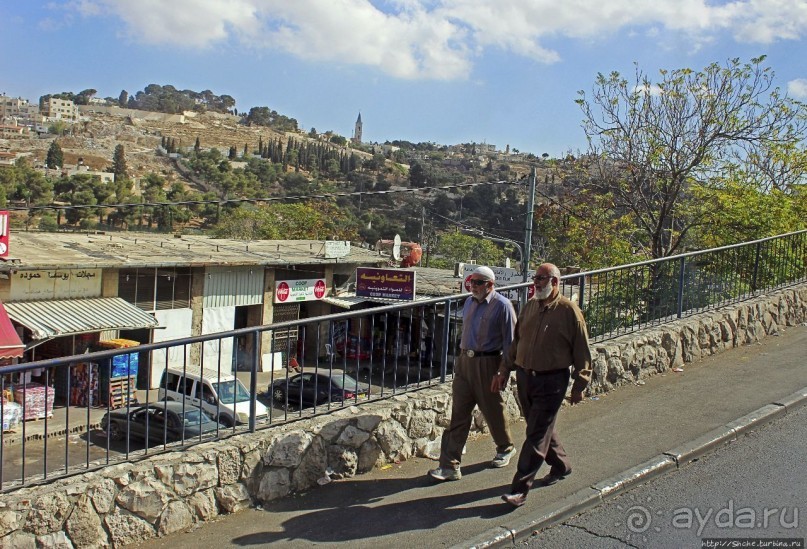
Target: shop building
(67, 293)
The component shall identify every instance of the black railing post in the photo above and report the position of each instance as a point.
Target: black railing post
(253, 382)
(756, 268)
(581, 284)
(444, 347)
(681, 269)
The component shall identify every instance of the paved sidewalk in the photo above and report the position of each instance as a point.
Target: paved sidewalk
(614, 441)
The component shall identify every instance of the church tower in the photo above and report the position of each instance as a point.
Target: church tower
(357, 131)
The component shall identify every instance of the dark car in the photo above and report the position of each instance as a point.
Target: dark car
(315, 388)
(166, 421)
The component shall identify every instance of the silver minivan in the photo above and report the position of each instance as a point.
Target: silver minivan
(224, 397)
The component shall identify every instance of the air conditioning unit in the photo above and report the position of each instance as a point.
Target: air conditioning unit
(458, 269)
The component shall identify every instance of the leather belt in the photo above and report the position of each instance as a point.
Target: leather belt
(470, 353)
(536, 373)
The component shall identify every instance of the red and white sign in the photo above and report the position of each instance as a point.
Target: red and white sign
(289, 291)
(282, 292)
(4, 230)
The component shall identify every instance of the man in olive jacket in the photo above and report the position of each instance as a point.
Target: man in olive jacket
(550, 346)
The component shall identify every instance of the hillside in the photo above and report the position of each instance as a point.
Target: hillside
(314, 167)
(94, 141)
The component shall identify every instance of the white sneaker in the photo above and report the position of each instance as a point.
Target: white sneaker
(445, 474)
(502, 459)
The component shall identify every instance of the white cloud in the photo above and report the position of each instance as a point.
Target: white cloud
(797, 88)
(439, 39)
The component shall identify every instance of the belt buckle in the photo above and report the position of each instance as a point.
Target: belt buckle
(470, 353)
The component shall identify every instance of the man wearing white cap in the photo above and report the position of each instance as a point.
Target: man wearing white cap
(488, 326)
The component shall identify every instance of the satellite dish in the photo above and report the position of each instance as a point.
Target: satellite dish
(396, 248)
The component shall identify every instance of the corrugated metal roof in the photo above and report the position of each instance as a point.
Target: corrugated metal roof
(48, 319)
(41, 250)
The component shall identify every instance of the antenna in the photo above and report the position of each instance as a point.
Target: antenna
(396, 248)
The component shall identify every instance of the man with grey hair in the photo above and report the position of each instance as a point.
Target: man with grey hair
(550, 338)
(488, 325)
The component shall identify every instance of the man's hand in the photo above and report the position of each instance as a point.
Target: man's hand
(499, 382)
(576, 396)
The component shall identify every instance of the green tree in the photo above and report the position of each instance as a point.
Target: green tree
(287, 221)
(59, 127)
(454, 247)
(119, 163)
(55, 156)
(417, 175)
(744, 212)
(83, 97)
(652, 141)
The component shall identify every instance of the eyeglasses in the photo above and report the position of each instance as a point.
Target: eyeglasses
(477, 282)
(541, 278)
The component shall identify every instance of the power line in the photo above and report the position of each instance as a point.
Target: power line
(476, 230)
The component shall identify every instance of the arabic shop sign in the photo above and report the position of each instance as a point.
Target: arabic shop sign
(55, 284)
(336, 248)
(290, 291)
(386, 283)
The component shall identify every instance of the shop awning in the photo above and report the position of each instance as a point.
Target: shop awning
(10, 344)
(48, 319)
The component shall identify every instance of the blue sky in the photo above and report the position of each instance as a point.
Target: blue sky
(448, 71)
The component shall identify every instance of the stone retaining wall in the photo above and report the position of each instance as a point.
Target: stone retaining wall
(131, 502)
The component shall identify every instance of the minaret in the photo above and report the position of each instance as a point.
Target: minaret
(357, 130)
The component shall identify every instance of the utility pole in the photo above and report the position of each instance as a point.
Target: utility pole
(422, 223)
(528, 236)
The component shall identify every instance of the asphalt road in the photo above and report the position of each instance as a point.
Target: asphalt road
(754, 488)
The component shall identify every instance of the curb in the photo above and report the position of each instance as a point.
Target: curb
(676, 458)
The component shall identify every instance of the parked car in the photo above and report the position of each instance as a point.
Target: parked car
(315, 388)
(221, 395)
(168, 421)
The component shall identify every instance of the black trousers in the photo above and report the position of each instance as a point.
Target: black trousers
(541, 397)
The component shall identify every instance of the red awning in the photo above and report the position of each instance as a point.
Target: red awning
(10, 344)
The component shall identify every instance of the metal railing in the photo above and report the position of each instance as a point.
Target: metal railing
(316, 365)
(623, 299)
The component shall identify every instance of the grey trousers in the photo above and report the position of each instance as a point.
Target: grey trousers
(471, 387)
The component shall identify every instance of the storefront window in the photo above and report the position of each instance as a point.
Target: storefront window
(156, 289)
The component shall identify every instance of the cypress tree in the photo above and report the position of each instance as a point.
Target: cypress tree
(55, 158)
(119, 163)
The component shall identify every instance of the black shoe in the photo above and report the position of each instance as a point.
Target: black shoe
(516, 500)
(554, 478)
